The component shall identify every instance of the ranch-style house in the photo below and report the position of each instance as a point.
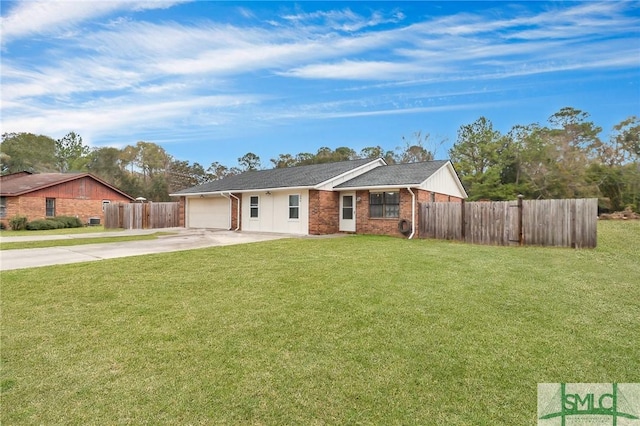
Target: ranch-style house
(360, 196)
(47, 195)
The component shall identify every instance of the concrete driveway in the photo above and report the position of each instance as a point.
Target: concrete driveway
(179, 239)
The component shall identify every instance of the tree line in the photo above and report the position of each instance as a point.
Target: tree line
(566, 158)
(147, 170)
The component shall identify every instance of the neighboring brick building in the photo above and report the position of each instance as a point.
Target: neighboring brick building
(44, 195)
(360, 196)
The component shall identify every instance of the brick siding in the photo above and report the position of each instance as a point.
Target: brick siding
(382, 226)
(324, 212)
(80, 198)
(236, 220)
(182, 222)
(34, 208)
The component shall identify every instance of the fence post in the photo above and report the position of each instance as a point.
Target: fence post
(572, 243)
(146, 207)
(462, 221)
(120, 216)
(520, 230)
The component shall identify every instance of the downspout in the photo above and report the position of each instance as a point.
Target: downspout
(238, 212)
(413, 213)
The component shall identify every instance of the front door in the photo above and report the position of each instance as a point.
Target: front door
(348, 212)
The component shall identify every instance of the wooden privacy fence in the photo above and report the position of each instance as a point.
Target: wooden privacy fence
(141, 215)
(562, 223)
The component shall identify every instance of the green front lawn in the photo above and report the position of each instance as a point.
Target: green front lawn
(356, 330)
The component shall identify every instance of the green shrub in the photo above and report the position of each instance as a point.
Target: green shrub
(59, 223)
(18, 223)
(3, 226)
(43, 224)
(69, 221)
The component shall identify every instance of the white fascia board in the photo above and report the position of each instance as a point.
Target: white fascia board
(377, 188)
(457, 178)
(279, 189)
(452, 170)
(329, 184)
(241, 191)
(196, 194)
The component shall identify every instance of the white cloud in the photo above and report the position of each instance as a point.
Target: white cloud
(246, 13)
(330, 111)
(343, 20)
(54, 16)
(127, 54)
(360, 70)
(125, 75)
(139, 51)
(65, 78)
(106, 117)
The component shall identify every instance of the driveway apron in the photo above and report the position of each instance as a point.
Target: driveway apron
(182, 239)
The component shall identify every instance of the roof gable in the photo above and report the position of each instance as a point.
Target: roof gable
(24, 184)
(398, 175)
(289, 177)
(445, 181)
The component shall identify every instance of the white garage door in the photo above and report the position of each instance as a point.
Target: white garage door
(208, 213)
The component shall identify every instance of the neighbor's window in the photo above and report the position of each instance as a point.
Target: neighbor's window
(3, 206)
(253, 205)
(384, 204)
(294, 206)
(50, 207)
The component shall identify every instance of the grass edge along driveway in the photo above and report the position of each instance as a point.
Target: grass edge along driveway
(359, 330)
(79, 241)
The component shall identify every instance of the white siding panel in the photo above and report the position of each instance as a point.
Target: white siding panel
(444, 181)
(273, 213)
(208, 212)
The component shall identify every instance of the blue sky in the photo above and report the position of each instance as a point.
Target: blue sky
(211, 81)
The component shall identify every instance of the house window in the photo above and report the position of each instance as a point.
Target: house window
(50, 210)
(384, 204)
(253, 205)
(3, 206)
(294, 206)
(347, 207)
(105, 203)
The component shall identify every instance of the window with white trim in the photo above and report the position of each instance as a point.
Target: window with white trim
(384, 204)
(3, 206)
(294, 207)
(253, 206)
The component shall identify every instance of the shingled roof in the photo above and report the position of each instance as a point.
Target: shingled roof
(289, 177)
(22, 183)
(406, 174)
